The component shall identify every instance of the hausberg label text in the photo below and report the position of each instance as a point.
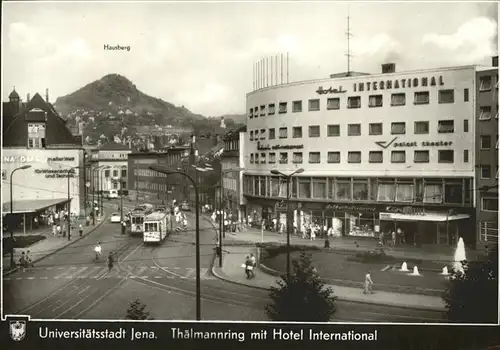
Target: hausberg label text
(399, 84)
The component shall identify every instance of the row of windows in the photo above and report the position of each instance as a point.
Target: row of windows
(332, 130)
(397, 99)
(148, 172)
(115, 173)
(232, 145)
(444, 156)
(436, 191)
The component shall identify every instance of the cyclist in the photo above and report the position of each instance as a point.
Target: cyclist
(98, 251)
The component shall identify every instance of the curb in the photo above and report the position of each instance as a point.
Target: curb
(272, 272)
(11, 271)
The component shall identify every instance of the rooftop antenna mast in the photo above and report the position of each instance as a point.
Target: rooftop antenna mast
(349, 36)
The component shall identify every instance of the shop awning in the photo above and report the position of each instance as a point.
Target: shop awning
(435, 217)
(31, 206)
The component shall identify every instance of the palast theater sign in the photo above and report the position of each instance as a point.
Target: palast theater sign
(440, 143)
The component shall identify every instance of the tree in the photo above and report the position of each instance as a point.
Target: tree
(472, 296)
(303, 297)
(137, 311)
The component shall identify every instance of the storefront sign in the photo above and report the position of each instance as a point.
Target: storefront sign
(262, 147)
(398, 84)
(35, 159)
(55, 173)
(330, 90)
(348, 207)
(407, 210)
(60, 159)
(386, 144)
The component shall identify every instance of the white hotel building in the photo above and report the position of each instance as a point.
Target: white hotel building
(380, 152)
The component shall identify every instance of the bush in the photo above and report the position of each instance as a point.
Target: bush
(373, 256)
(273, 249)
(137, 311)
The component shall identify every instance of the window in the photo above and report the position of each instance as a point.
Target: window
(485, 113)
(375, 129)
(485, 83)
(263, 158)
(485, 171)
(360, 190)
(271, 109)
(115, 185)
(314, 105)
(354, 157)
(421, 98)
(485, 141)
(398, 99)
(319, 187)
(386, 192)
(250, 113)
(421, 127)
(404, 192)
(421, 157)
(115, 173)
(283, 107)
(453, 192)
(124, 185)
(466, 95)
(314, 157)
(466, 156)
(304, 187)
(36, 135)
(283, 133)
(314, 131)
(398, 128)
(297, 106)
(354, 102)
(297, 132)
(489, 204)
(333, 130)
(283, 157)
(445, 126)
(251, 135)
(106, 173)
(251, 158)
(375, 157)
(333, 157)
(466, 125)
(375, 101)
(433, 193)
(354, 130)
(262, 134)
(262, 111)
(256, 158)
(297, 158)
(344, 190)
(398, 156)
(272, 157)
(124, 172)
(272, 134)
(446, 96)
(445, 156)
(256, 135)
(333, 103)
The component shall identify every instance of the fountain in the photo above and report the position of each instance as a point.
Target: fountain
(445, 271)
(404, 267)
(415, 271)
(459, 256)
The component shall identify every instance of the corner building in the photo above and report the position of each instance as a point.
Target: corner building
(381, 153)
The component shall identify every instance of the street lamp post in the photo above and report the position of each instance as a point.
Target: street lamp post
(92, 207)
(12, 213)
(287, 204)
(167, 171)
(102, 167)
(69, 203)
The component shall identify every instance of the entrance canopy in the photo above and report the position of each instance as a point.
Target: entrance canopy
(31, 205)
(435, 217)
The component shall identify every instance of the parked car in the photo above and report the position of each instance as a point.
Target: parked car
(185, 206)
(115, 217)
(113, 194)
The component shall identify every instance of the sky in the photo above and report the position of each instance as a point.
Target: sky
(202, 54)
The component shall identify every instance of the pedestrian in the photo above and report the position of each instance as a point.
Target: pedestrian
(393, 237)
(29, 262)
(248, 267)
(253, 260)
(22, 261)
(313, 233)
(110, 261)
(368, 284)
(80, 229)
(58, 230)
(381, 238)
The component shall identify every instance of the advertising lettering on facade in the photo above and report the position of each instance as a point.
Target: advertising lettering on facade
(351, 208)
(330, 90)
(407, 210)
(35, 159)
(440, 143)
(55, 173)
(262, 147)
(398, 84)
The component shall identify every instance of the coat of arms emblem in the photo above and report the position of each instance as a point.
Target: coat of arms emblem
(17, 330)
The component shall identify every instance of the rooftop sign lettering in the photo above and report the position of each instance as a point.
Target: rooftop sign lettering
(440, 143)
(262, 147)
(330, 90)
(398, 84)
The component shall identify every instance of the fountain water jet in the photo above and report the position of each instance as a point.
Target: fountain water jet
(415, 271)
(404, 267)
(445, 271)
(459, 256)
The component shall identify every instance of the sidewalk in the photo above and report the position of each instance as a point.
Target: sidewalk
(232, 271)
(48, 246)
(349, 244)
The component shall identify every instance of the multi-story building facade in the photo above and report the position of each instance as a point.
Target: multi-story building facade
(380, 153)
(487, 155)
(110, 163)
(232, 171)
(36, 138)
